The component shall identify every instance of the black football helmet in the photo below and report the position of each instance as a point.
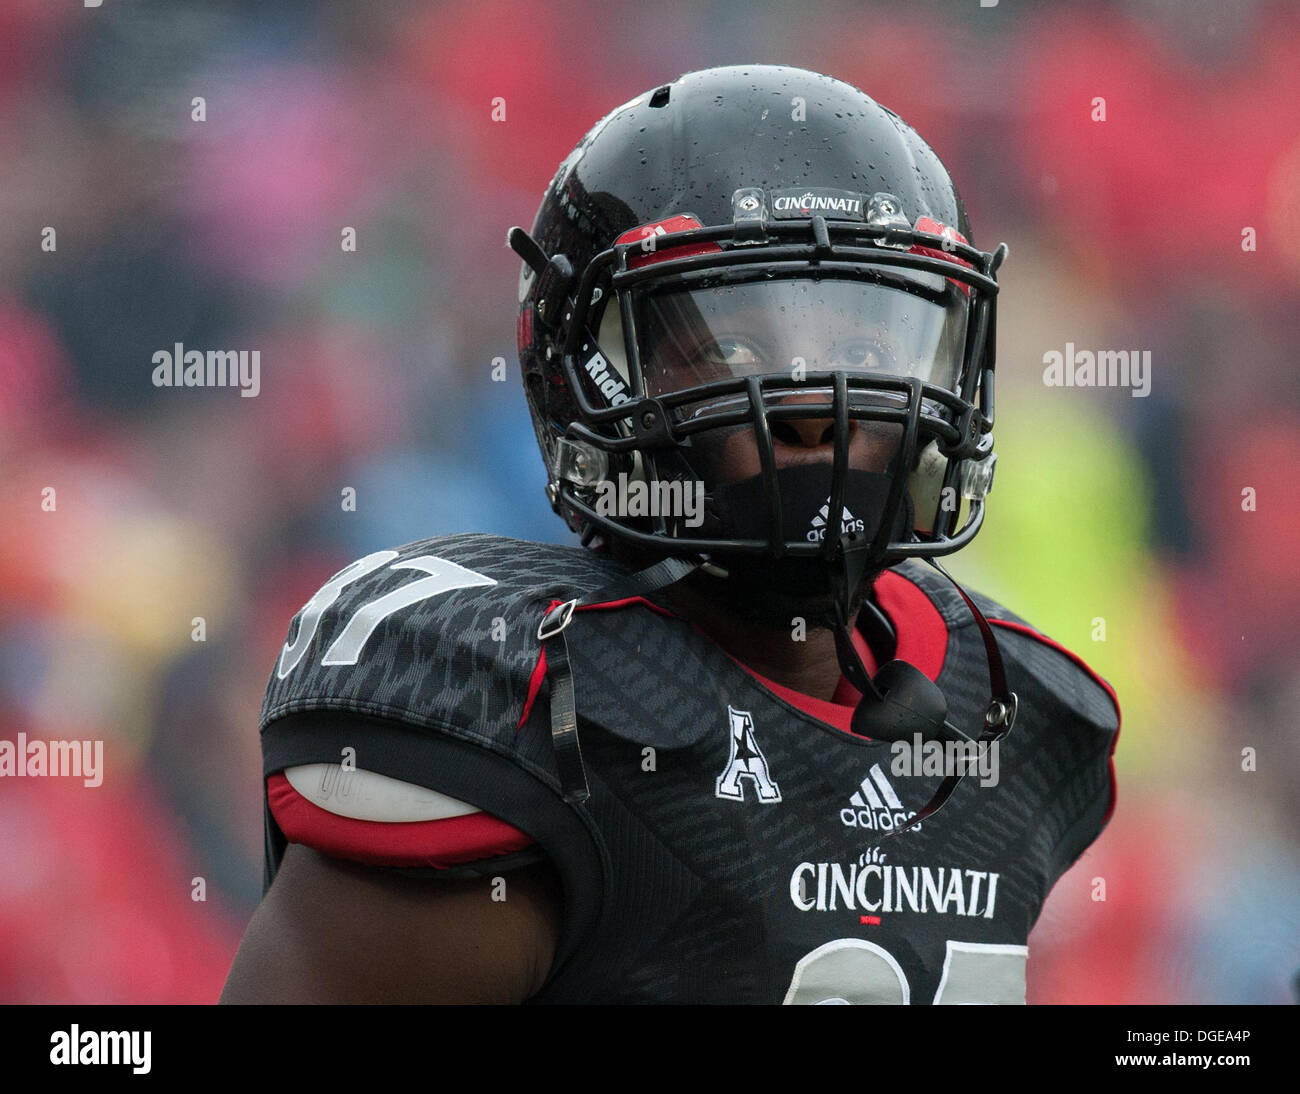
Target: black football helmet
(755, 286)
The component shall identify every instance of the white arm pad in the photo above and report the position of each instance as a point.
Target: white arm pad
(367, 795)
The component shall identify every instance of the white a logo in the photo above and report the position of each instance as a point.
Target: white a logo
(746, 761)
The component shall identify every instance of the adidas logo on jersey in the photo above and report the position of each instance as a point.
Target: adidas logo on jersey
(848, 523)
(875, 806)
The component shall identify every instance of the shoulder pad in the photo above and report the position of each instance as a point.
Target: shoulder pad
(947, 599)
(1063, 672)
(441, 632)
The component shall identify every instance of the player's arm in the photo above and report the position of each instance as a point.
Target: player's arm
(392, 892)
(333, 931)
(405, 773)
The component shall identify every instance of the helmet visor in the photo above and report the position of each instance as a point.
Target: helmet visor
(904, 326)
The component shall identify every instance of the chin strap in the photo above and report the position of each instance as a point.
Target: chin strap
(901, 702)
(847, 576)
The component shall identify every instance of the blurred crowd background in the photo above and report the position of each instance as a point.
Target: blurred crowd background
(376, 374)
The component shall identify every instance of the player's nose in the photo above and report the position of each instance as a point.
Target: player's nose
(807, 432)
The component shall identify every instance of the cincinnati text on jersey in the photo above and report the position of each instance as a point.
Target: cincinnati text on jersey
(876, 887)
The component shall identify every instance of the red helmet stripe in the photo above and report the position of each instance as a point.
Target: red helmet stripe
(648, 235)
(933, 227)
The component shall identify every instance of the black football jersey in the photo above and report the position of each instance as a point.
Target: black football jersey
(733, 848)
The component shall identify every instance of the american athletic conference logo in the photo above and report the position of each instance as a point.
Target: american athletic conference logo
(745, 761)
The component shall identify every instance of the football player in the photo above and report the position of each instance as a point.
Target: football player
(747, 743)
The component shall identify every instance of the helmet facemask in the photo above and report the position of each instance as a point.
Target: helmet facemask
(823, 367)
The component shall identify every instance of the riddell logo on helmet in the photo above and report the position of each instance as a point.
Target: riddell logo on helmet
(607, 383)
(848, 523)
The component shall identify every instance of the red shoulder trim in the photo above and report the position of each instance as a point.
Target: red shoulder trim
(1023, 629)
(534, 686)
(438, 843)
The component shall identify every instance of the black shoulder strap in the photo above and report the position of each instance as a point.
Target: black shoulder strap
(998, 719)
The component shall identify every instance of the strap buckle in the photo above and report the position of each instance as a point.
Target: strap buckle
(556, 620)
(1002, 712)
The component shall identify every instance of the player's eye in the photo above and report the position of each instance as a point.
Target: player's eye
(865, 355)
(731, 353)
